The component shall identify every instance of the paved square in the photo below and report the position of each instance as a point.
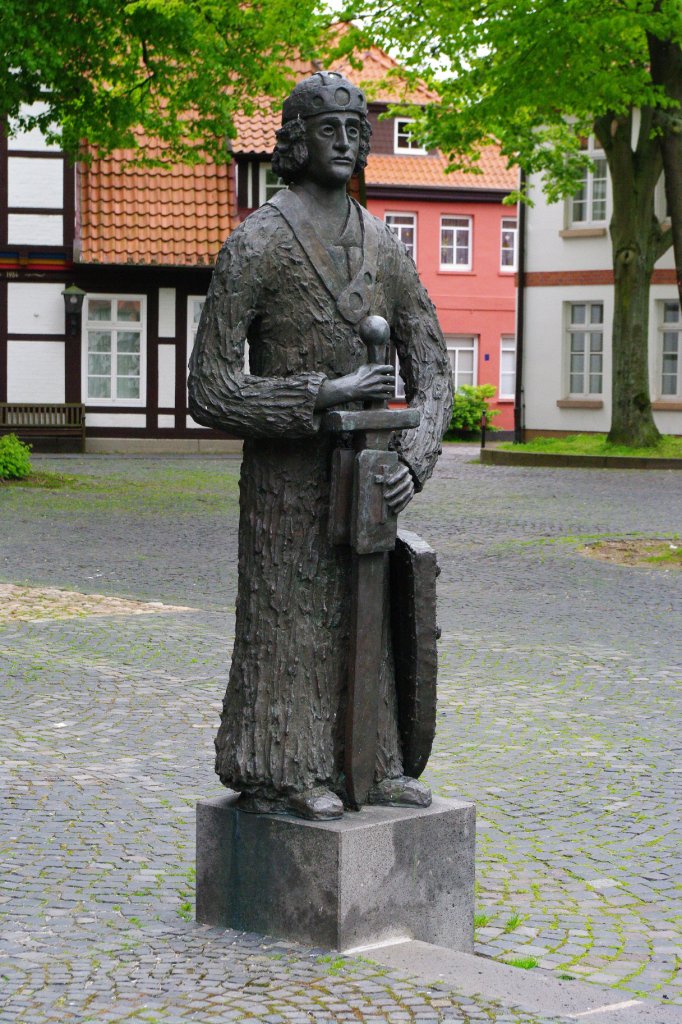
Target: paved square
(559, 715)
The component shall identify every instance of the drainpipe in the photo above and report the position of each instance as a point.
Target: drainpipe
(519, 417)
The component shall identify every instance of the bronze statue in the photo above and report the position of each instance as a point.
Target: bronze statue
(304, 280)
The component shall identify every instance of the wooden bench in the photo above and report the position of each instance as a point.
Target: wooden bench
(46, 426)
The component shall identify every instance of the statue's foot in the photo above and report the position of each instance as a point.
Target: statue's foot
(403, 791)
(254, 804)
(318, 804)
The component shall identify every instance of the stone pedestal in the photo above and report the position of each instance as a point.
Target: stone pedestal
(378, 874)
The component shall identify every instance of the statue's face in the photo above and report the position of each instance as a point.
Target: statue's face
(333, 141)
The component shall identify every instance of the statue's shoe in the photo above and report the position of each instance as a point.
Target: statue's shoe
(402, 792)
(318, 804)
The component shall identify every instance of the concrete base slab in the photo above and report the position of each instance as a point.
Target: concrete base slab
(381, 874)
(534, 991)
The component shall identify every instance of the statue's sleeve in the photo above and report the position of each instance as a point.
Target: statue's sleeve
(221, 394)
(424, 367)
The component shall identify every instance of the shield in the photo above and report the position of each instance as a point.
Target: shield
(413, 624)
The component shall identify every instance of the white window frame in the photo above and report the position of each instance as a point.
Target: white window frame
(507, 348)
(114, 326)
(594, 189)
(673, 327)
(465, 224)
(263, 186)
(401, 139)
(508, 226)
(396, 229)
(588, 328)
(462, 343)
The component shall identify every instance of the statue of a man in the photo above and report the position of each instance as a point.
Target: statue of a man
(295, 280)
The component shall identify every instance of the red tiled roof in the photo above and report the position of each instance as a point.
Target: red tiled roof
(428, 171)
(172, 216)
(256, 134)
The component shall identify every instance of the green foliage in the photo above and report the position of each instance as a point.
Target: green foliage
(102, 67)
(470, 402)
(15, 458)
(530, 78)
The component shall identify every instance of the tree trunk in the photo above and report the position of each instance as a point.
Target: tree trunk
(666, 71)
(636, 245)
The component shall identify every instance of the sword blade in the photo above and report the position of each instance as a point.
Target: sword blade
(366, 652)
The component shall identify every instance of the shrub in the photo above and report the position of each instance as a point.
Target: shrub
(471, 401)
(15, 458)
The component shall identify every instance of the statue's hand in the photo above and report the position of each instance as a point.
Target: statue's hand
(370, 382)
(398, 489)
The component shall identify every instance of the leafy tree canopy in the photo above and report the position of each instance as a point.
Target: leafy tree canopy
(177, 69)
(530, 75)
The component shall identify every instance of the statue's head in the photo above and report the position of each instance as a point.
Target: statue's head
(325, 92)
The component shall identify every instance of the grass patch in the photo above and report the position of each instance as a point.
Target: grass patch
(596, 444)
(147, 488)
(512, 922)
(480, 920)
(49, 481)
(526, 963)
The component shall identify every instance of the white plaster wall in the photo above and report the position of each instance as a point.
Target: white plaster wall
(33, 140)
(193, 425)
(544, 368)
(35, 182)
(111, 419)
(35, 229)
(167, 376)
(166, 422)
(35, 308)
(546, 250)
(35, 371)
(166, 312)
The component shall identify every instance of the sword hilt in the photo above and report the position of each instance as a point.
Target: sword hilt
(375, 333)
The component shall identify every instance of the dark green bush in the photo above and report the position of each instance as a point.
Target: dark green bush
(15, 458)
(471, 401)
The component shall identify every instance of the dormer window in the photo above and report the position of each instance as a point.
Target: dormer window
(403, 141)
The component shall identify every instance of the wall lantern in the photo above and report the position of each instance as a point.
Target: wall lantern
(73, 303)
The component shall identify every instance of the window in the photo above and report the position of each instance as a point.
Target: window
(507, 366)
(403, 141)
(585, 348)
(269, 183)
(462, 355)
(405, 227)
(114, 349)
(195, 304)
(671, 337)
(455, 243)
(508, 244)
(588, 205)
(399, 390)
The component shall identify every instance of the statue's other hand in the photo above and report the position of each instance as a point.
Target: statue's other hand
(398, 489)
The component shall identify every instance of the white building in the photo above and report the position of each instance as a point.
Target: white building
(567, 307)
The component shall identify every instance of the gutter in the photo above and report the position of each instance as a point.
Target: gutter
(519, 410)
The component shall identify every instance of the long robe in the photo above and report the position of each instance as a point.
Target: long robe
(282, 728)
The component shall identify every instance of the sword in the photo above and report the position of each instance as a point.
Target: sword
(360, 517)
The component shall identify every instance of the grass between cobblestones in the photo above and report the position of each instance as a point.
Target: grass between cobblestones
(558, 714)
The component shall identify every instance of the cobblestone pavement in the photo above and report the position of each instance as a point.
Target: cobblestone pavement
(559, 715)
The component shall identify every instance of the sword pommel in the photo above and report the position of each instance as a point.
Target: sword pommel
(375, 333)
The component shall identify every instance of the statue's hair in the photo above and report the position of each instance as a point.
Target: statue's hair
(290, 155)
